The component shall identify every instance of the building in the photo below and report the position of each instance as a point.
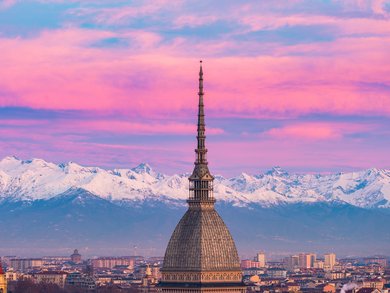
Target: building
(10, 275)
(25, 264)
(306, 260)
(253, 271)
(330, 261)
(319, 264)
(75, 257)
(201, 255)
(293, 287)
(3, 281)
(260, 257)
(291, 262)
(327, 288)
(373, 283)
(5, 260)
(55, 260)
(335, 275)
(368, 290)
(78, 280)
(111, 262)
(156, 272)
(376, 260)
(57, 278)
(277, 273)
(148, 281)
(247, 264)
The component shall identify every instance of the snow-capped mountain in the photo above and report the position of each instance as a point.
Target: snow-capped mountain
(37, 179)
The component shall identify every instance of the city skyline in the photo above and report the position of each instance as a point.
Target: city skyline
(303, 272)
(104, 103)
(303, 84)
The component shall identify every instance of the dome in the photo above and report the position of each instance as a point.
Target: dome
(201, 242)
(254, 279)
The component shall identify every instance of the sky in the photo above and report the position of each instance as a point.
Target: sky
(301, 84)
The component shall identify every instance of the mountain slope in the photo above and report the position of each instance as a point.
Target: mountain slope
(77, 218)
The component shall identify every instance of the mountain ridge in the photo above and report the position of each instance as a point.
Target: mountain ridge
(37, 179)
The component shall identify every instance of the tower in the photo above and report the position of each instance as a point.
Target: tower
(3, 281)
(201, 255)
(76, 257)
(330, 260)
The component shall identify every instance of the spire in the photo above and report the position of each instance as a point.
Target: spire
(201, 180)
(201, 137)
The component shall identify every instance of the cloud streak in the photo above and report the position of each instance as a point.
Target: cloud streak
(318, 131)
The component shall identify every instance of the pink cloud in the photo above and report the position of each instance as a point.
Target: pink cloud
(304, 155)
(113, 126)
(61, 147)
(122, 14)
(376, 6)
(311, 131)
(61, 70)
(351, 26)
(4, 4)
(81, 127)
(194, 20)
(325, 147)
(226, 157)
(317, 130)
(153, 82)
(23, 122)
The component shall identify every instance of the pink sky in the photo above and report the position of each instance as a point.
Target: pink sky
(302, 85)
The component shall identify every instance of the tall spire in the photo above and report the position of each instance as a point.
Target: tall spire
(201, 137)
(201, 180)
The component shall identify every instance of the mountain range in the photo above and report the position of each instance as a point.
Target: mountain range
(50, 208)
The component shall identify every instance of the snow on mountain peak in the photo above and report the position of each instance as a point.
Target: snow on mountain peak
(277, 171)
(143, 168)
(38, 179)
(9, 162)
(72, 167)
(10, 158)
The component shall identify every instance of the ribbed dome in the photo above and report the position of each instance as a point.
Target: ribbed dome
(201, 242)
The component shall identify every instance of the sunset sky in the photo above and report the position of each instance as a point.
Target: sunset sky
(303, 84)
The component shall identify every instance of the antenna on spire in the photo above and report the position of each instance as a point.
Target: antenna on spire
(201, 82)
